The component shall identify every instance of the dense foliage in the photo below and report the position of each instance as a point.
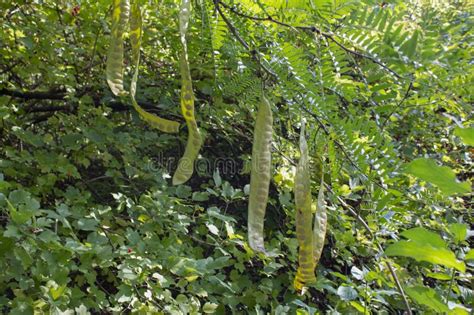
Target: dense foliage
(91, 223)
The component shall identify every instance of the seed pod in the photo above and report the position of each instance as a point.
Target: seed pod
(304, 218)
(320, 224)
(193, 145)
(114, 67)
(260, 175)
(155, 121)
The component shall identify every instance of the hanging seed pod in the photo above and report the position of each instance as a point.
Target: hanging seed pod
(114, 67)
(193, 145)
(155, 121)
(304, 218)
(260, 175)
(320, 224)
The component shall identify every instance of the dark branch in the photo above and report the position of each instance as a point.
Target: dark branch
(36, 95)
(60, 95)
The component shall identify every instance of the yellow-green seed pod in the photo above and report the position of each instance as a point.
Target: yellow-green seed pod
(193, 145)
(304, 218)
(155, 121)
(114, 67)
(260, 175)
(320, 224)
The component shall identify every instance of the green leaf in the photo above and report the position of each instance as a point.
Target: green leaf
(458, 231)
(200, 196)
(57, 292)
(441, 176)
(209, 308)
(439, 276)
(217, 178)
(422, 235)
(469, 255)
(22, 206)
(347, 293)
(427, 297)
(466, 135)
(425, 252)
(409, 47)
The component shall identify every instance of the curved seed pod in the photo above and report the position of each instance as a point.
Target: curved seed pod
(159, 123)
(304, 218)
(320, 224)
(114, 68)
(193, 145)
(260, 175)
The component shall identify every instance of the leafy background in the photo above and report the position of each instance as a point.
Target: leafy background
(89, 222)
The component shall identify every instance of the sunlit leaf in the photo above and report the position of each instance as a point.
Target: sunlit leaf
(458, 231)
(427, 297)
(441, 176)
(424, 236)
(466, 135)
(425, 252)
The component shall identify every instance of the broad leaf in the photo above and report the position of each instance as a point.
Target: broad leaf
(427, 297)
(422, 235)
(425, 252)
(458, 231)
(466, 135)
(469, 255)
(441, 176)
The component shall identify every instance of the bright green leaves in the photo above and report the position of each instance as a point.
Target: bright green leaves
(427, 297)
(466, 135)
(458, 232)
(260, 174)
(427, 246)
(441, 176)
(193, 145)
(304, 218)
(422, 235)
(409, 47)
(114, 68)
(159, 123)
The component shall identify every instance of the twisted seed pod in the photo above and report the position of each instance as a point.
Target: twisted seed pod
(159, 123)
(193, 145)
(304, 218)
(114, 67)
(260, 175)
(320, 224)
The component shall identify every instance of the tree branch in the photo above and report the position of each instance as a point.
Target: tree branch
(36, 95)
(60, 95)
